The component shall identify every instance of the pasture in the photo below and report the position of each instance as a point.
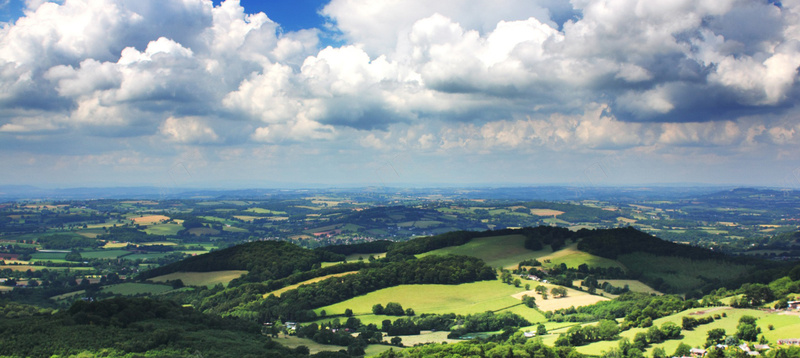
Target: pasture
(572, 257)
(208, 279)
(164, 229)
(307, 282)
(467, 298)
(314, 347)
(497, 251)
(104, 254)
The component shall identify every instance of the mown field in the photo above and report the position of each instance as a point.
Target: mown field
(574, 298)
(468, 298)
(208, 279)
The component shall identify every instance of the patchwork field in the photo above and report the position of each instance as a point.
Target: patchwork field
(317, 279)
(209, 279)
(164, 229)
(497, 251)
(466, 298)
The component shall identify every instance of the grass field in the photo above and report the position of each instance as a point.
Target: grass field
(164, 229)
(132, 289)
(152, 256)
(198, 231)
(48, 256)
(104, 254)
(265, 211)
(208, 279)
(574, 298)
(468, 298)
(572, 257)
(497, 251)
(307, 282)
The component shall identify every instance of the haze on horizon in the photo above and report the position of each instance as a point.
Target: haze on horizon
(192, 93)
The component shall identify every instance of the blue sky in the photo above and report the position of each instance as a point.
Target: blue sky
(196, 93)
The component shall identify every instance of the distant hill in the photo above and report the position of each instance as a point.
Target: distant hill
(265, 260)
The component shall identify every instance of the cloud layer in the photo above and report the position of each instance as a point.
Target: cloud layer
(471, 81)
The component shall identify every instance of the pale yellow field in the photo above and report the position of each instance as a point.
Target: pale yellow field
(208, 279)
(247, 218)
(115, 245)
(546, 212)
(574, 298)
(633, 285)
(150, 219)
(317, 279)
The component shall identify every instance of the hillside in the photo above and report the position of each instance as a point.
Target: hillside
(264, 260)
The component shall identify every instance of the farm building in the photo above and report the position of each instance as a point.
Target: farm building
(698, 352)
(789, 341)
(793, 304)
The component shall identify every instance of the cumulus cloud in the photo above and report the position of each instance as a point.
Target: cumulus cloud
(445, 76)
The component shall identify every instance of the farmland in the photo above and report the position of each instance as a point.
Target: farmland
(496, 251)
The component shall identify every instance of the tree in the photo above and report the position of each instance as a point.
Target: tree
(73, 256)
(410, 312)
(640, 340)
(393, 309)
(715, 336)
(377, 309)
(517, 282)
(683, 350)
(348, 312)
(541, 330)
(527, 287)
(658, 352)
(397, 341)
(529, 301)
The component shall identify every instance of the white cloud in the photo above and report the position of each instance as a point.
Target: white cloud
(187, 130)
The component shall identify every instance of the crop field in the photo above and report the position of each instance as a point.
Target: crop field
(546, 212)
(572, 257)
(574, 298)
(132, 289)
(246, 218)
(468, 298)
(497, 251)
(150, 219)
(209, 279)
(306, 282)
(115, 245)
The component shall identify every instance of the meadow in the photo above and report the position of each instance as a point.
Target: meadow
(682, 274)
(572, 257)
(497, 251)
(133, 288)
(468, 298)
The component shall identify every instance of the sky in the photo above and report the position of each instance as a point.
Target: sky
(256, 94)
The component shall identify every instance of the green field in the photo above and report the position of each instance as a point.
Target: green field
(572, 257)
(132, 289)
(497, 251)
(265, 211)
(164, 229)
(146, 256)
(104, 254)
(48, 256)
(314, 347)
(468, 298)
(209, 279)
